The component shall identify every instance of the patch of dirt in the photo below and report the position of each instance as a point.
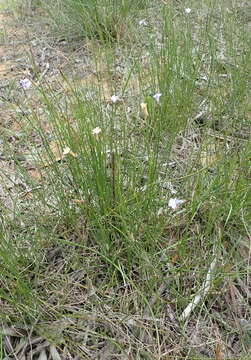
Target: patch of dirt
(6, 68)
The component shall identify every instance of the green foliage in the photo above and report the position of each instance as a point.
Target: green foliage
(173, 126)
(105, 20)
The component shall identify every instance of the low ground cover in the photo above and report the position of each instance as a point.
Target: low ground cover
(125, 180)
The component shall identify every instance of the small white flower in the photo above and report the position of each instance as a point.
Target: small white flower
(67, 151)
(96, 131)
(188, 10)
(114, 98)
(143, 22)
(25, 84)
(157, 97)
(175, 203)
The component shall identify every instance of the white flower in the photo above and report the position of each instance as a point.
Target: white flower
(188, 10)
(67, 151)
(96, 131)
(143, 22)
(114, 98)
(25, 84)
(157, 97)
(175, 203)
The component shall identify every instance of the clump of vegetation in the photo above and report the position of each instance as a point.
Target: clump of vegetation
(124, 232)
(105, 20)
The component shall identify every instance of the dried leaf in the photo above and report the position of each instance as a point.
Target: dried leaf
(218, 353)
(56, 152)
(7, 331)
(144, 111)
(78, 201)
(42, 355)
(54, 353)
(35, 174)
(209, 155)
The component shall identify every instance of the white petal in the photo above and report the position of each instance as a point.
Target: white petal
(114, 98)
(25, 83)
(96, 131)
(66, 150)
(188, 10)
(157, 97)
(143, 22)
(175, 203)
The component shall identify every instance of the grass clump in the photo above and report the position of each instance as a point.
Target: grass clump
(107, 21)
(132, 240)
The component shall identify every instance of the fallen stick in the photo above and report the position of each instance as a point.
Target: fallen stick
(201, 294)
